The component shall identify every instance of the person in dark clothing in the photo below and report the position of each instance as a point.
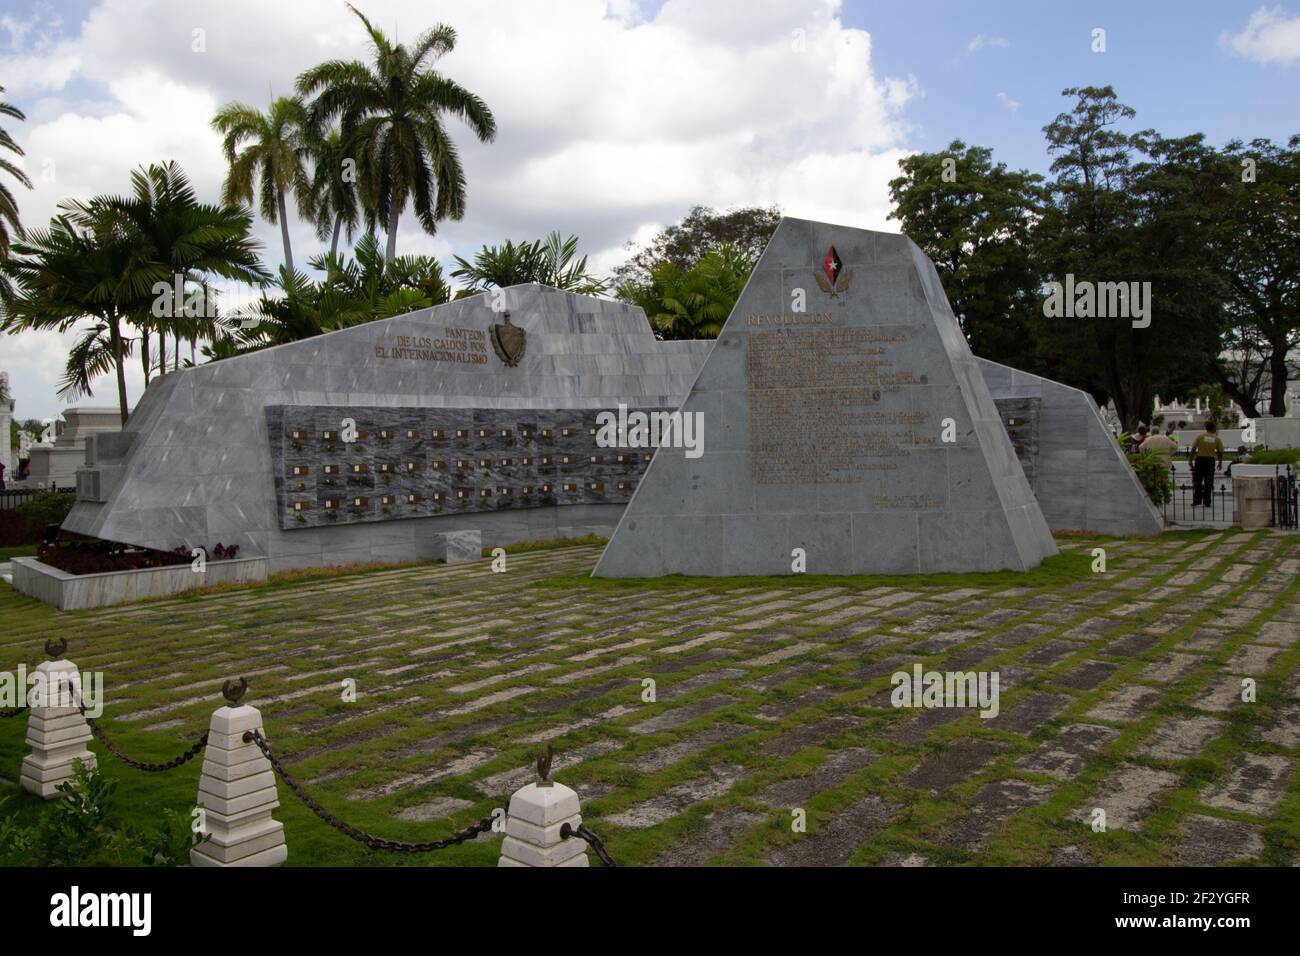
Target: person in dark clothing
(1206, 456)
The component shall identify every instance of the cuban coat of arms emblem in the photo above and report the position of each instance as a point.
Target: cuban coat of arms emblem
(508, 341)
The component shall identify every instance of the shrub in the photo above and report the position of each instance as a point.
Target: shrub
(48, 507)
(1153, 472)
(1276, 456)
(81, 829)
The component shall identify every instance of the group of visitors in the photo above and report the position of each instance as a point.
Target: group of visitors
(1205, 455)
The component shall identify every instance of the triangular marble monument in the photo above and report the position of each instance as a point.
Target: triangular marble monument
(825, 404)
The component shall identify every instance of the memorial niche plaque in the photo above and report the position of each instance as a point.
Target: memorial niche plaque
(820, 405)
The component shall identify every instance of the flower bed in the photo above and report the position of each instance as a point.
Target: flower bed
(80, 555)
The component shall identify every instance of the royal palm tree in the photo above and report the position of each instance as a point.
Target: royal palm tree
(273, 160)
(8, 204)
(333, 189)
(390, 116)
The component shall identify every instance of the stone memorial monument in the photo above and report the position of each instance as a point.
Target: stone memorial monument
(1078, 472)
(848, 430)
(483, 415)
(374, 442)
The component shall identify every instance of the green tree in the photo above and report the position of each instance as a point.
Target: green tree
(79, 268)
(267, 154)
(551, 261)
(746, 230)
(975, 221)
(353, 292)
(179, 240)
(1129, 208)
(1261, 265)
(390, 115)
(691, 303)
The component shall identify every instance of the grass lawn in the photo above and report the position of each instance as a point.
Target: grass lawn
(18, 551)
(1119, 691)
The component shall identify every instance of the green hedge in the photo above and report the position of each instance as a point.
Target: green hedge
(1276, 456)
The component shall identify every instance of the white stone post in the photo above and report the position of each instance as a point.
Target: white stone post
(57, 735)
(534, 819)
(237, 792)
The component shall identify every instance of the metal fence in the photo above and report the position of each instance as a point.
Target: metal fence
(11, 498)
(1222, 507)
(1286, 499)
(1181, 507)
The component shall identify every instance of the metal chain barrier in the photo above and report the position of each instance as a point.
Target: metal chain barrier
(369, 840)
(596, 843)
(195, 749)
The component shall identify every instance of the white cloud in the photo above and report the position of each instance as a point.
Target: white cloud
(614, 118)
(1270, 36)
(1008, 102)
(37, 57)
(982, 42)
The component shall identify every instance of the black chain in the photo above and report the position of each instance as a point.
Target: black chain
(373, 842)
(195, 749)
(584, 832)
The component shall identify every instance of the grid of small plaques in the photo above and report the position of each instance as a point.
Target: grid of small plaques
(422, 462)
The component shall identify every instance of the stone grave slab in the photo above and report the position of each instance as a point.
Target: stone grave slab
(1068, 752)
(1212, 841)
(1256, 785)
(836, 840)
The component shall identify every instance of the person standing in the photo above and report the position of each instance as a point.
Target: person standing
(1159, 444)
(1206, 455)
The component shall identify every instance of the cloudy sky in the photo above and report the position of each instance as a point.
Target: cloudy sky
(616, 116)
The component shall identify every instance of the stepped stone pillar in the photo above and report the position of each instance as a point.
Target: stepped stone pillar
(238, 794)
(57, 734)
(537, 814)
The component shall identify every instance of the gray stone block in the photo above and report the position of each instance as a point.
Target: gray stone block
(456, 547)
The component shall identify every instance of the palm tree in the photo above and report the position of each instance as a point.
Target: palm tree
(275, 154)
(390, 115)
(8, 204)
(353, 292)
(333, 189)
(71, 271)
(180, 239)
(552, 261)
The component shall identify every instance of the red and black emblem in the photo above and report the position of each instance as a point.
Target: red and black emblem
(832, 265)
(833, 278)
